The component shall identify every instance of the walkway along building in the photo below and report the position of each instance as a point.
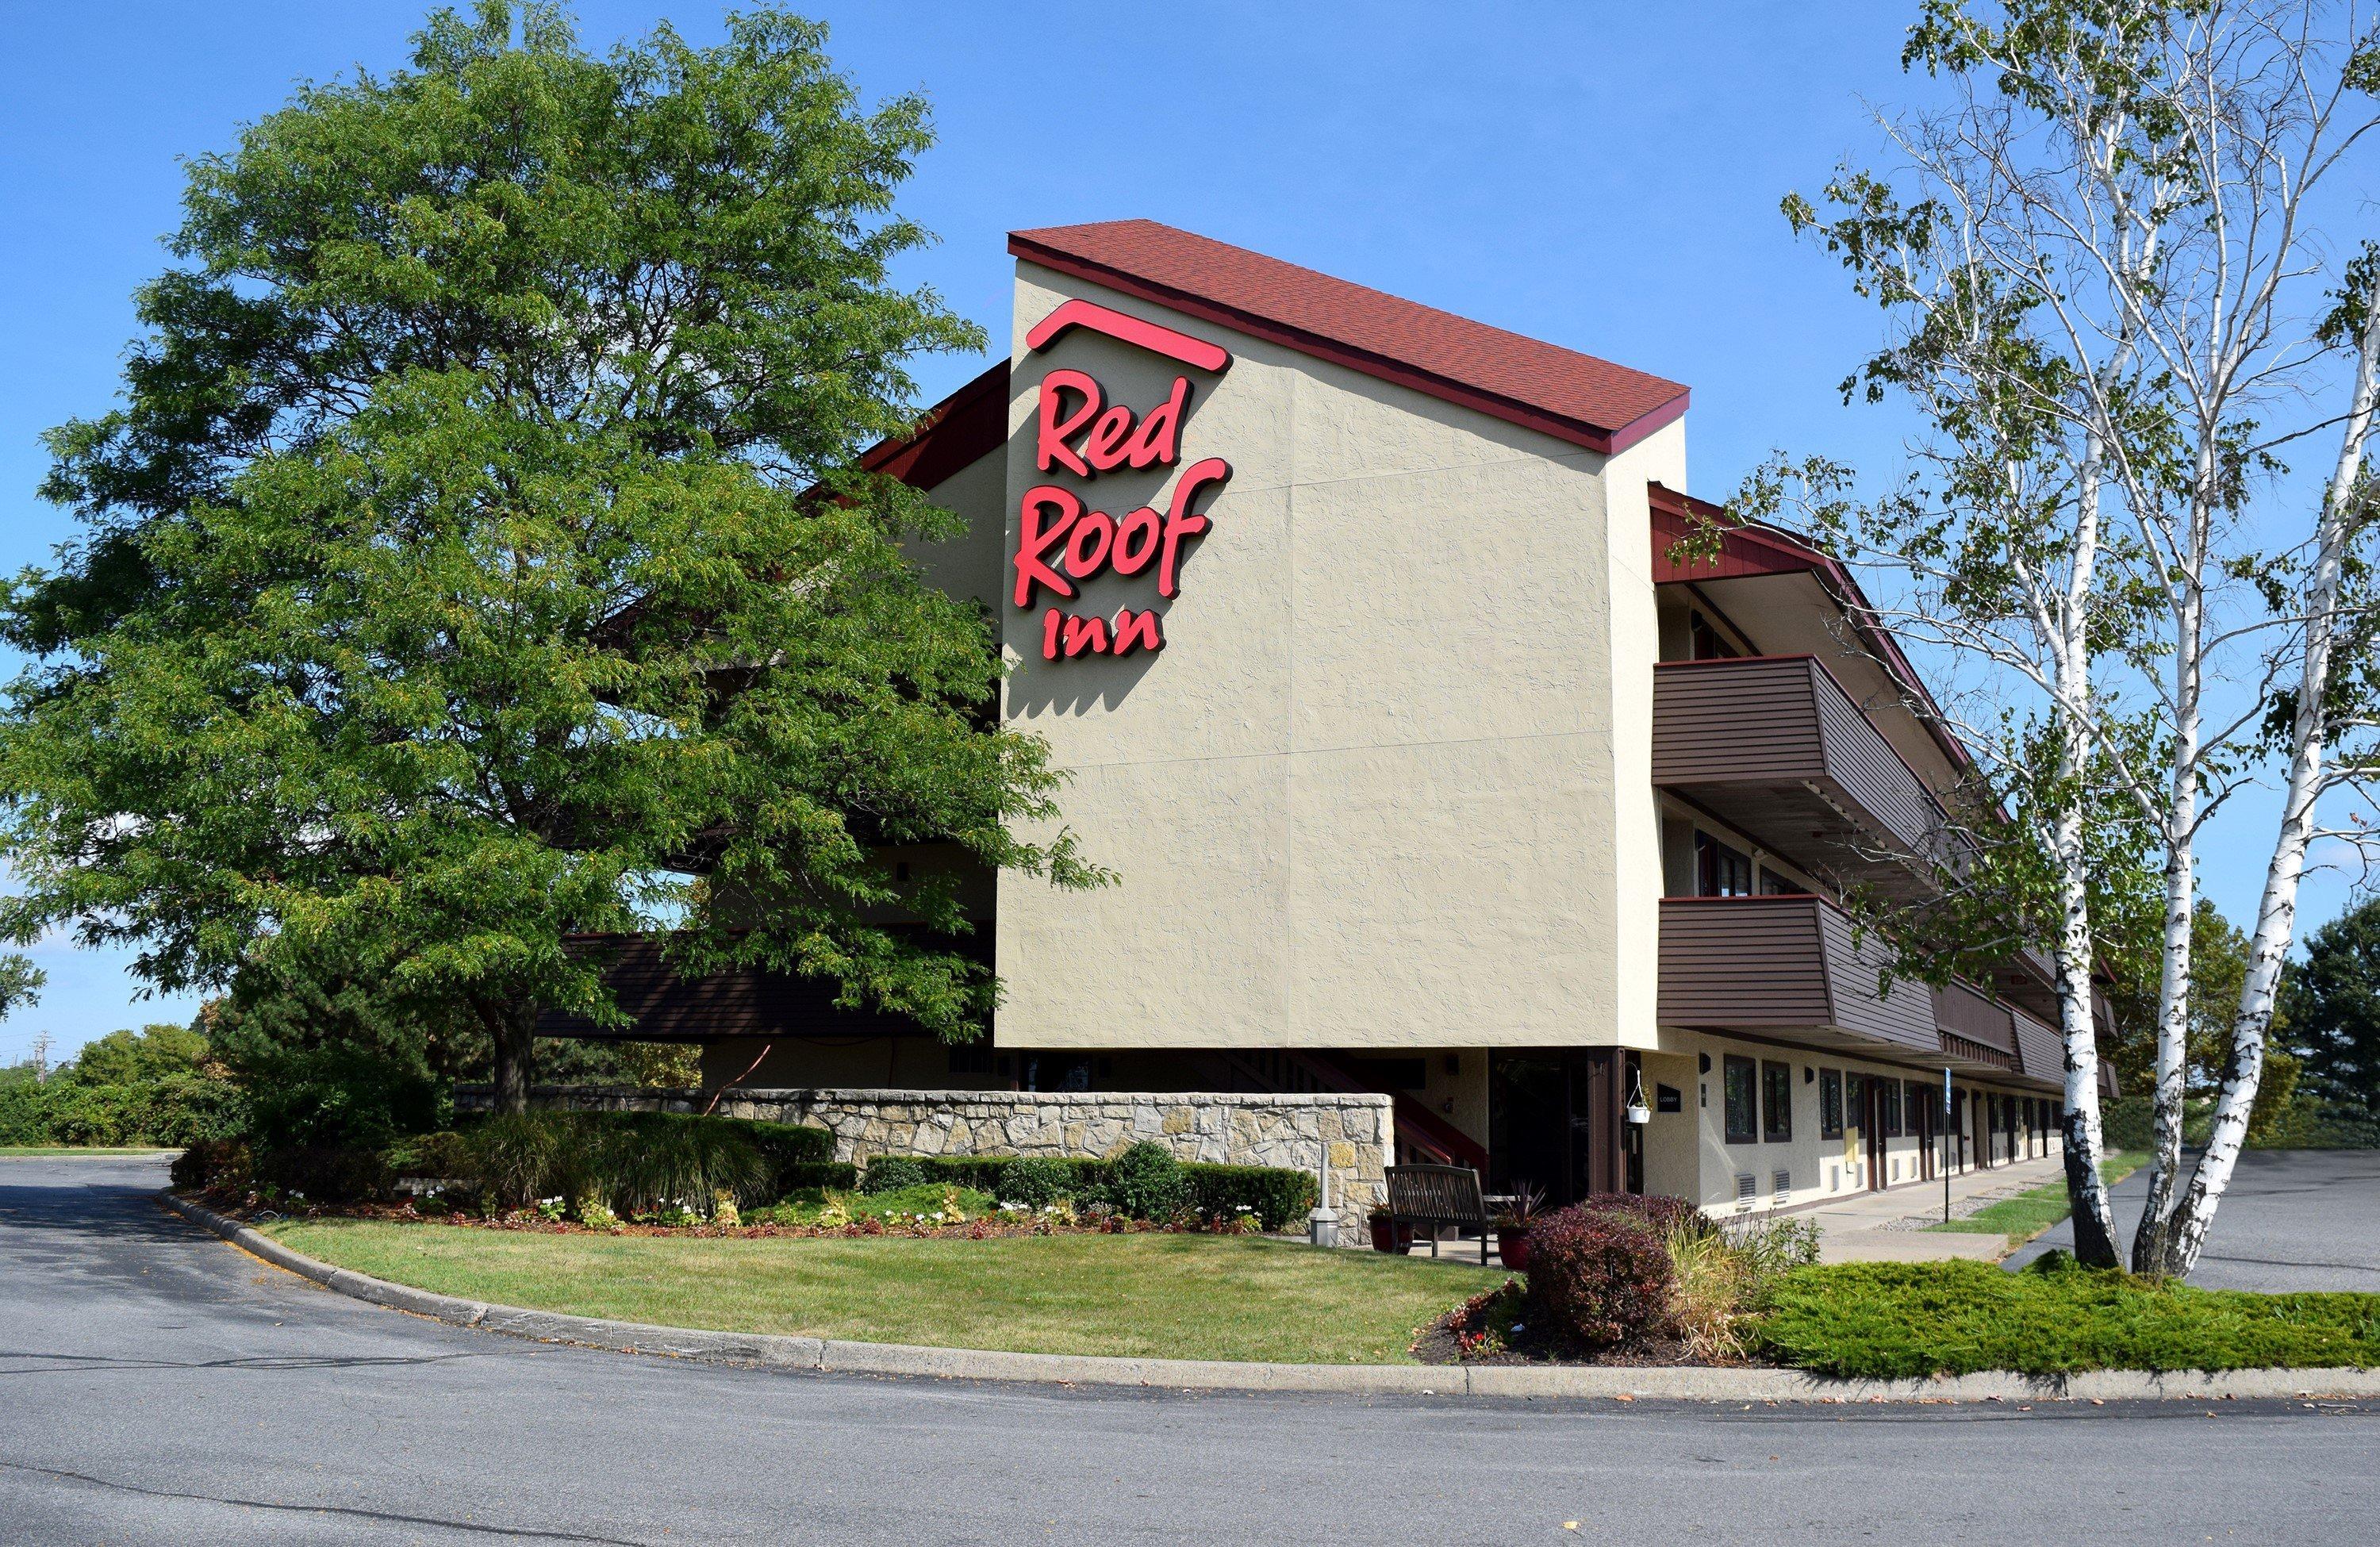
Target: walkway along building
(1425, 767)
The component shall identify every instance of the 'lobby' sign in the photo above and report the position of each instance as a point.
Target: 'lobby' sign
(1061, 541)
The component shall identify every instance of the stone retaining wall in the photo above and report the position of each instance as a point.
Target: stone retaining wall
(1354, 1133)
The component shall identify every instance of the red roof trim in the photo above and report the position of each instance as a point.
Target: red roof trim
(1747, 549)
(961, 430)
(1335, 308)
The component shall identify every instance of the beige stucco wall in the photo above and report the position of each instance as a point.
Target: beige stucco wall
(971, 564)
(1388, 783)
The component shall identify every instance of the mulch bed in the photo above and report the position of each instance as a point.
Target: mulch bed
(1456, 1338)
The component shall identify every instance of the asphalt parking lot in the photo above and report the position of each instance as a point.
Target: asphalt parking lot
(2291, 1219)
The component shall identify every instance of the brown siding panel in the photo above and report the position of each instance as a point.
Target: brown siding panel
(1864, 763)
(1965, 1013)
(1778, 963)
(2040, 1050)
(1741, 962)
(1746, 734)
(1900, 1013)
(1736, 722)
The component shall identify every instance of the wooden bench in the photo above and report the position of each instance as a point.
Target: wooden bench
(1435, 1197)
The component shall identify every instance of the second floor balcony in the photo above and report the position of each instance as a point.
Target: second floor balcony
(1797, 969)
(1776, 748)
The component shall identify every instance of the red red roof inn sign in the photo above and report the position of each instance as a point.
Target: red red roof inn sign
(1061, 541)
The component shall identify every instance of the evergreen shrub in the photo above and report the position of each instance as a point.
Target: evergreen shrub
(1145, 1182)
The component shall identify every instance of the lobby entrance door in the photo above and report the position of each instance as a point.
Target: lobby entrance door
(1555, 1121)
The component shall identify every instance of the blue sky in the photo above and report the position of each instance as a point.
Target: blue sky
(1603, 176)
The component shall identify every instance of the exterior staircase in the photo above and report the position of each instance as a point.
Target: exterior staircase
(1422, 1135)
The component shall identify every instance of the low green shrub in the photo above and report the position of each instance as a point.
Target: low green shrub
(926, 1199)
(212, 1165)
(1145, 1182)
(338, 1096)
(325, 1173)
(634, 1162)
(817, 1176)
(1892, 1320)
(787, 1149)
(1280, 1198)
(991, 1173)
(445, 1155)
(1033, 1181)
(893, 1173)
(1600, 1276)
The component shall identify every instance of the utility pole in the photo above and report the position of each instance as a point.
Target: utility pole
(40, 1056)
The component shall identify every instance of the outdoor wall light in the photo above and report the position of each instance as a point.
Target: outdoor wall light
(1808, 1074)
(1706, 1059)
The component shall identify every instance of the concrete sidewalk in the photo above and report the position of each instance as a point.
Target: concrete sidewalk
(1876, 1226)
(1873, 1226)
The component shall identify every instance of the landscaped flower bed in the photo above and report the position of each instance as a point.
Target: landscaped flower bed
(612, 1173)
(924, 1211)
(1616, 1290)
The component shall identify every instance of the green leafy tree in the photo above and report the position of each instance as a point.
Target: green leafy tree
(479, 558)
(2219, 966)
(2330, 1004)
(137, 1057)
(2110, 292)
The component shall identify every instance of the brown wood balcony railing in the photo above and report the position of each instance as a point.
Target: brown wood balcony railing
(1772, 746)
(1798, 969)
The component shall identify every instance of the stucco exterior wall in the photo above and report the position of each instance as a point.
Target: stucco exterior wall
(1388, 786)
(971, 564)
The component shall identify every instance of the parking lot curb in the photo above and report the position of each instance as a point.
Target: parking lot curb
(1688, 1383)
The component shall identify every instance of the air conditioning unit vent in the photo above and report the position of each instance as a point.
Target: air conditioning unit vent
(1781, 1185)
(1747, 1188)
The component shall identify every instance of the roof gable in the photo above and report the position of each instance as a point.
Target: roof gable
(1524, 381)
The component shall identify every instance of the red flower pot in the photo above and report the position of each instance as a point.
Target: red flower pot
(1388, 1235)
(1512, 1245)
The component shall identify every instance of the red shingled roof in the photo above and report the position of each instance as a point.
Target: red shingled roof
(1576, 397)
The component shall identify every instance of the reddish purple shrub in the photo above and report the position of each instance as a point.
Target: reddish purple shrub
(1598, 1277)
(1664, 1213)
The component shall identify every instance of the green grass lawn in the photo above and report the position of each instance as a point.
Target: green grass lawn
(1164, 1295)
(39, 1152)
(2029, 1213)
(1888, 1320)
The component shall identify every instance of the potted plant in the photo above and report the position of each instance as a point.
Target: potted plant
(1387, 1234)
(1512, 1225)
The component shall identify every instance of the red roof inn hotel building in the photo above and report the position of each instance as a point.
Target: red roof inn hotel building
(1425, 770)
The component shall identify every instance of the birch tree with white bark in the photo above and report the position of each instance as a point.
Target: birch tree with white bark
(2119, 296)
